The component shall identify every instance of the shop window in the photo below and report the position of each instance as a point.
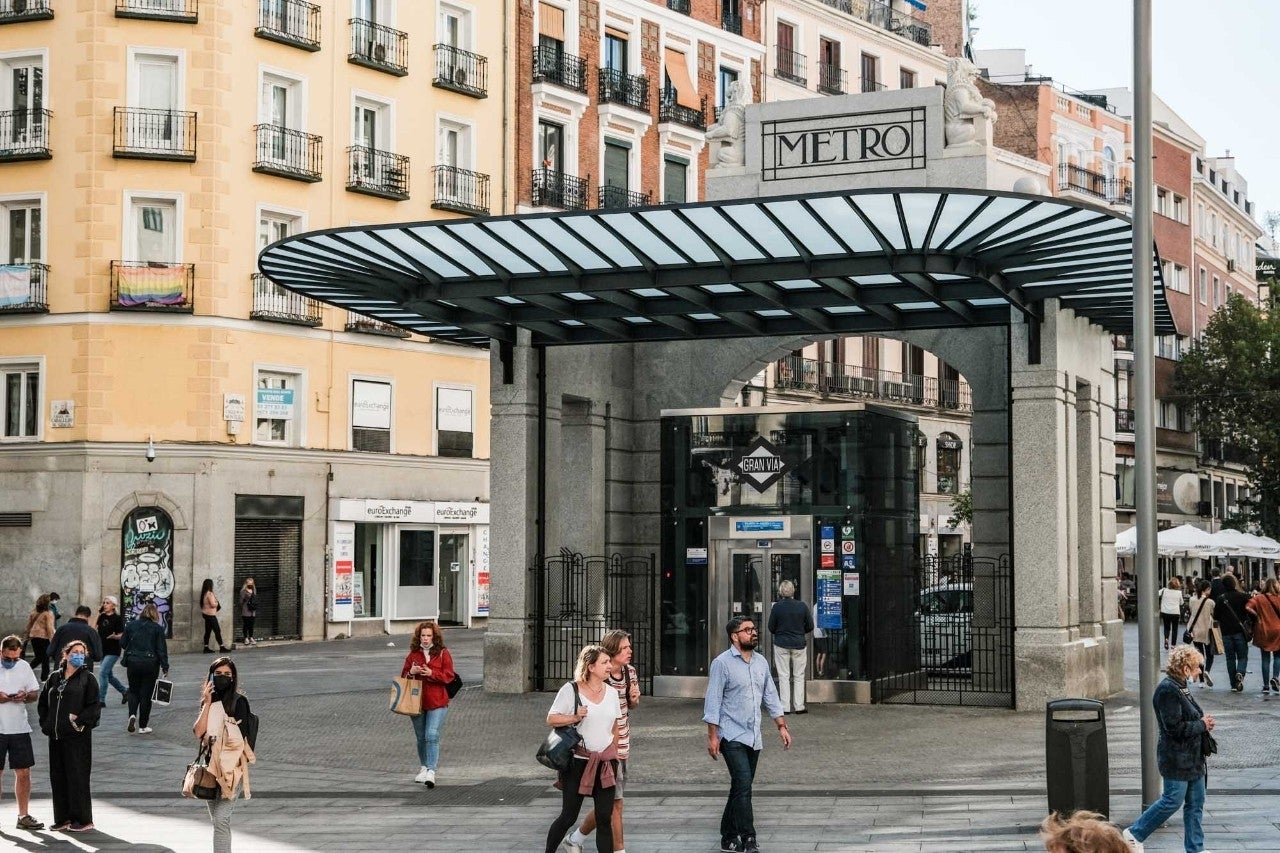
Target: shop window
(417, 558)
(949, 446)
(455, 434)
(276, 412)
(21, 398)
(368, 580)
(371, 414)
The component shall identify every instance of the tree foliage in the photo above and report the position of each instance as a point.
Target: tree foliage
(961, 509)
(1231, 379)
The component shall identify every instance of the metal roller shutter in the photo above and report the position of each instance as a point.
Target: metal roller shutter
(269, 550)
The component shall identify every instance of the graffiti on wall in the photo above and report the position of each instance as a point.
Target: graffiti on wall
(146, 564)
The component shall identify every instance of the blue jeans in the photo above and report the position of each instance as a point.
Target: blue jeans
(1270, 667)
(427, 727)
(738, 820)
(1189, 796)
(1236, 649)
(106, 676)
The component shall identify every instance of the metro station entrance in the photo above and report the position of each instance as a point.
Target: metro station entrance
(756, 568)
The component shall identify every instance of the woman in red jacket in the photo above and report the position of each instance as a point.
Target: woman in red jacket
(429, 662)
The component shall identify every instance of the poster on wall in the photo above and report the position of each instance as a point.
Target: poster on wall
(830, 601)
(146, 564)
(357, 595)
(370, 404)
(342, 584)
(482, 573)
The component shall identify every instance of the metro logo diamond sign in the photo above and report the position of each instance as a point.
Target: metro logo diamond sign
(760, 465)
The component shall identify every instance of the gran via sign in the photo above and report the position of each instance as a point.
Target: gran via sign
(760, 465)
(848, 144)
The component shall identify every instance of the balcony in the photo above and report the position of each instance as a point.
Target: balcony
(619, 87)
(730, 22)
(556, 189)
(1215, 450)
(174, 11)
(1125, 421)
(152, 286)
(553, 65)
(378, 47)
(870, 84)
(292, 22)
(462, 72)
(24, 288)
(1112, 190)
(17, 11)
(790, 66)
(681, 6)
(613, 197)
(273, 303)
(460, 190)
(288, 153)
(142, 134)
(832, 79)
(369, 326)
(24, 135)
(378, 173)
(669, 109)
(846, 381)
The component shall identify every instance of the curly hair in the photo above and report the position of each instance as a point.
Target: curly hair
(1182, 659)
(1082, 832)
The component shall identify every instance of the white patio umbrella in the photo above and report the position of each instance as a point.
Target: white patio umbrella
(1187, 540)
(1248, 545)
(1127, 542)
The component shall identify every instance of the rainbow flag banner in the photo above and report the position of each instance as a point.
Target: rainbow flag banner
(15, 285)
(147, 285)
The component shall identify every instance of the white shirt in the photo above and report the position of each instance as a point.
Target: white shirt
(597, 727)
(14, 719)
(1170, 601)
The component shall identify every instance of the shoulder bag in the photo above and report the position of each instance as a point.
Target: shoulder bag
(1208, 745)
(453, 687)
(1186, 635)
(1246, 623)
(199, 783)
(406, 696)
(557, 750)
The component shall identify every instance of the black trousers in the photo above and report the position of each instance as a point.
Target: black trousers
(211, 626)
(40, 648)
(248, 621)
(1169, 627)
(70, 762)
(142, 682)
(571, 804)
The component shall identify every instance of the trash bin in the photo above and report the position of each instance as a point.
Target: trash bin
(1075, 752)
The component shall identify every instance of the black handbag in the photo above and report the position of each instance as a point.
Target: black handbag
(557, 750)
(1208, 746)
(454, 686)
(1187, 637)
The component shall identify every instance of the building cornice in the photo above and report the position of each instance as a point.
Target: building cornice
(235, 453)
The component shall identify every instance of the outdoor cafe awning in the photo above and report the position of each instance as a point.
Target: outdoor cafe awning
(854, 262)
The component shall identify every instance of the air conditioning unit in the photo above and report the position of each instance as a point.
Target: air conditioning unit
(460, 76)
(1231, 266)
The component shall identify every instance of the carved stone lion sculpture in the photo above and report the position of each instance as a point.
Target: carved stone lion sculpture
(963, 103)
(729, 134)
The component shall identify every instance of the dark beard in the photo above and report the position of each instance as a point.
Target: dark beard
(746, 645)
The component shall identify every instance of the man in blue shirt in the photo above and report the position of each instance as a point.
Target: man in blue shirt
(739, 682)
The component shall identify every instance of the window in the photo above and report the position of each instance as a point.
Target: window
(727, 77)
(615, 52)
(1179, 208)
(1162, 202)
(21, 398)
(551, 146)
(155, 82)
(906, 78)
(370, 124)
(454, 431)
(550, 35)
(675, 173)
(1217, 292)
(455, 145)
(870, 73)
(22, 91)
(273, 226)
(152, 231)
(830, 72)
(1204, 287)
(275, 408)
(786, 36)
(1181, 282)
(617, 165)
(371, 413)
(455, 27)
(377, 11)
(949, 446)
(22, 238)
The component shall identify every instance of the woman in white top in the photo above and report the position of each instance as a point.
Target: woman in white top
(1171, 611)
(596, 715)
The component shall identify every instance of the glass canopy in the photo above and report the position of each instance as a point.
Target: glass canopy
(828, 263)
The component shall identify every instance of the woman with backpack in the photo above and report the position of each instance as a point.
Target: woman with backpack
(226, 727)
(248, 610)
(1265, 608)
(429, 662)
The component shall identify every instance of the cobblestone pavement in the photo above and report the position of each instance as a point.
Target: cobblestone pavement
(335, 771)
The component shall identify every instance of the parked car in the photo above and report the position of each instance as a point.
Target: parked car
(945, 616)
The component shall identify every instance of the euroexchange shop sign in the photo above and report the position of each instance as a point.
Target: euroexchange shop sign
(848, 144)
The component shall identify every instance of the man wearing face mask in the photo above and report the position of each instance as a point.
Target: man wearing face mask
(18, 686)
(69, 711)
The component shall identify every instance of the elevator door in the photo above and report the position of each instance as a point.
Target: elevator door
(753, 586)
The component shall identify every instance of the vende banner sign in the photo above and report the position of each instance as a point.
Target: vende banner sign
(848, 144)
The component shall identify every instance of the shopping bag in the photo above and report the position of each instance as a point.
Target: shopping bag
(163, 692)
(406, 696)
(1215, 636)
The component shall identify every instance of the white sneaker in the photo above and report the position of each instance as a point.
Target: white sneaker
(422, 776)
(1134, 844)
(133, 725)
(431, 779)
(570, 847)
(145, 730)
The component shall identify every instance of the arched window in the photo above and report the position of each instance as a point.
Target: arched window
(1109, 162)
(949, 447)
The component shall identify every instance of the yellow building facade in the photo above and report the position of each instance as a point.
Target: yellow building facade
(170, 416)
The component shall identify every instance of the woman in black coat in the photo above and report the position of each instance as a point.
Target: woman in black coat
(69, 711)
(1179, 754)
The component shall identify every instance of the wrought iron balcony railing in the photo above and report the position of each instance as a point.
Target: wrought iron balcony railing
(379, 47)
(1125, 421)
(461, 71)
(460, 190)
(288, 153)
(552, 65)
(730, 22)
(669, 109)
(556, 189)
(24, 135)
(1072, 178)
(273, 303)
(611, 196)
(681, 6)
(369, 326)
(884, 16)
(379, 173)
(292, 22)
(871, 84)
(177, 11)
(16, 11)
(152, 286)
(834, 379)
(143, 134)
(832, 79)
(24, 288)
(619, 87)
(790, 66)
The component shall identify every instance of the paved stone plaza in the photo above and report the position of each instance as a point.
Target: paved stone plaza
(335, 771)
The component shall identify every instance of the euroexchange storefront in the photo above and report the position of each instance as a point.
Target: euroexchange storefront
(404, 561)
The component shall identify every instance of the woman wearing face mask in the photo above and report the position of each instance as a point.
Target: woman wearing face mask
(222, 709)
(69, 712)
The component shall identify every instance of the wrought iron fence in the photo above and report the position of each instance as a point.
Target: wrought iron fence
(1125, 421)
(152, 286)
(1111, 189)
(619, 87)
(288, 153)
(790, 65)
(577, 598)
(14, 11)
(872, 85)
(832, 79)
(731, 22)
(144, 134)
(460, 190)
(611, 196)
(370, 326)
(461, 71)
(26, 288)
(183, 11)
(24, 134)
(552, 65)
(849, 380)
(556, 189)
(272, 302)
(670, 109)
(292, 22)
(380, 173)
(379, 47)
(681, 6)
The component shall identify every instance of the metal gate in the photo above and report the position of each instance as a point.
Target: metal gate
(578, 598)
(269, 550)
(956, 645)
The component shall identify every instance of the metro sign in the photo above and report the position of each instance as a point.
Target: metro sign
(760, 465)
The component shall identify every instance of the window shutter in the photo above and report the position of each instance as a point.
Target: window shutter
(551, 21)
(678, 71)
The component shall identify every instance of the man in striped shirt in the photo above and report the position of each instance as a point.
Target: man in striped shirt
(622, 677)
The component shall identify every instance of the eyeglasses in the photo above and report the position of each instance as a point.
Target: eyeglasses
(748, 631)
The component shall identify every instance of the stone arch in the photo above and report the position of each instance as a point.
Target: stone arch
(136, 499)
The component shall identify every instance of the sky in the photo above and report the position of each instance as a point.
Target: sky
(1216, 64)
